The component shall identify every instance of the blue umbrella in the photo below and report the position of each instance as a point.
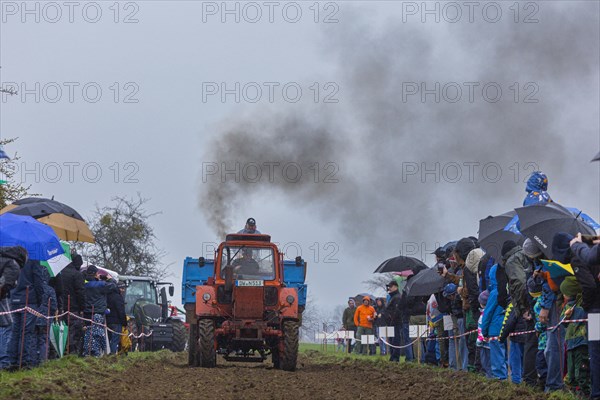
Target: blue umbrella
(40, 240)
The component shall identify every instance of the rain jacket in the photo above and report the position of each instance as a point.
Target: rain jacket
(576, 332)
(11, 260)
(392, 309)
(361, 316)
(516, 267)
(95, 296)
(537, 184)
(116, 304)
(471, 295)
(48, 298)
(31, 277)
(73, 288)
(587, 274)
(539, 327)
(493, 314)
(348, 319)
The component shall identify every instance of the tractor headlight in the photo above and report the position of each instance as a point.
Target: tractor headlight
(206, 296)
(290, 299)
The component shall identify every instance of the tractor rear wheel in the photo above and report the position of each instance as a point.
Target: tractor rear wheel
(290, 346)
(179, 335)
(193, 346)
(206, 353)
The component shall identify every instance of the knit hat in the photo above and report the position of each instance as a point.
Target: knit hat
(91, 270)
(570, 287)
(561, 248)
(463, 247)
(534, 286)
(530, 249)
(472, 260)
(393, 283)
(508, 246)
(449, 290)
(483, 297)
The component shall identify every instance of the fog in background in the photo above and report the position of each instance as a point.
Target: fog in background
(384, 167)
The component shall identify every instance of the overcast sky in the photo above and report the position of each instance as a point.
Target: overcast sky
(406, 125)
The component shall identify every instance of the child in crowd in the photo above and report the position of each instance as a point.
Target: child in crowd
(578, 360)
(534, 286)
(482, 343)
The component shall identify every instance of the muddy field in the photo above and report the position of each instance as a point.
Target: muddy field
(166, 376)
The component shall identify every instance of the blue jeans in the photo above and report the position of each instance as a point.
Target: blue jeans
(498, 360)
(404, 340)
(30, 343)
(114, 338)
(515, 360)
(463, 352)
(540, 365)
(484, 356)
(554, 353)
(594, 350)
(5, 332)
(382, 348)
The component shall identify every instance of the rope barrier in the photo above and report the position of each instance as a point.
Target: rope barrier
(56, 317)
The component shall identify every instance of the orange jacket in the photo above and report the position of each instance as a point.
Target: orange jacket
(361, 314)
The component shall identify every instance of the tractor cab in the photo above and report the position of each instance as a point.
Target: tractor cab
(148, 311)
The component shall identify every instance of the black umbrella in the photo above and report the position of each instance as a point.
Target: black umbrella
(540, 222)
(597, 158)
(49, 203)
(35, 210)
(425, 283)
(401, 263)
(492, 234)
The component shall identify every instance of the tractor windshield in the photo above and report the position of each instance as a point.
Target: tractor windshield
(139, 290)
(250, 263)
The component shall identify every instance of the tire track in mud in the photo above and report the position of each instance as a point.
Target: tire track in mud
(317, 377)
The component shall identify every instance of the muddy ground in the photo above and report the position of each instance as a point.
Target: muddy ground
(317, 377)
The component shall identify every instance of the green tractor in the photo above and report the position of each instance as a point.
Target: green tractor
(149, 312)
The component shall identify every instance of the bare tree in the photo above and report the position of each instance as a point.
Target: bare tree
(378, 282)
(125, 240)
(11, 189)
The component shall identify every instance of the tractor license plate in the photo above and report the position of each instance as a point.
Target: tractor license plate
(250, 283)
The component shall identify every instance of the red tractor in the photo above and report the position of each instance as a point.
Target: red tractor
(244, 309)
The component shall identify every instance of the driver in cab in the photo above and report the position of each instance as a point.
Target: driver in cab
(246, 265)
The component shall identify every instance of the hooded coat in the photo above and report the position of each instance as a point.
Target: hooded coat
(516, 267)
(587, 274)
(493, 315)
(73, 293)
(12, 259)
(537, 186)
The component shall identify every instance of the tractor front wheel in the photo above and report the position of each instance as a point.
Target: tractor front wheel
(206, 353)
(179, 335)
(287, 359)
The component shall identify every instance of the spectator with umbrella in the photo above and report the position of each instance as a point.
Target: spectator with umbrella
(12, 259)
(588, 276)
(41, 244)
(97, 287)
(48, 305)
(394, 317)
(74, 301)
(517, 266)
(550, 313)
